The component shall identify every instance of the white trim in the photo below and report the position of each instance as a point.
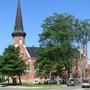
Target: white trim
(26, 51)
(20, 41)
(16, 45)
(81, 52)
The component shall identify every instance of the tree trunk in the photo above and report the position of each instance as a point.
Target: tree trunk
(58, 82)
(20, 80)
(14, 81)
(8, 79)
(68, 73)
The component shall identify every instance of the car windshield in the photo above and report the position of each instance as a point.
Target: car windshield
(85, 81)
(72, 80)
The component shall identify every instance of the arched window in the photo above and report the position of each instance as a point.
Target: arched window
(20, 41)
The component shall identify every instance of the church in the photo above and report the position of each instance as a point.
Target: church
(29, 53)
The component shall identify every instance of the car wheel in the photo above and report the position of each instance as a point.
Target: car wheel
(74, 84)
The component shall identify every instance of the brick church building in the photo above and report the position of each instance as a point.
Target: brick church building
(28, 53)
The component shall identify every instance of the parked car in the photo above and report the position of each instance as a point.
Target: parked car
(85, 83)
(73, 82)
(50, 81)
(36, 81)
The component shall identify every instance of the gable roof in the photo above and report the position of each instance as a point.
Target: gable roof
(32, 51)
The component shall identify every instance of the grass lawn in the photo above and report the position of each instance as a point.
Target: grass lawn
(42, 85)
(87, 89)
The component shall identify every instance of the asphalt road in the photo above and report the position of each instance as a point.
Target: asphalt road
(20, 88)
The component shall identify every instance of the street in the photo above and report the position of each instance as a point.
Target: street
(23, 88)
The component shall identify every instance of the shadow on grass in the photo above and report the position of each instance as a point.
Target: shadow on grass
(10, 84)
(32, 85)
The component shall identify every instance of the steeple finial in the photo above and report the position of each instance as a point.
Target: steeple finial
(18, 28)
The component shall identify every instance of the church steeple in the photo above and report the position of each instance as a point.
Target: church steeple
(18, 28)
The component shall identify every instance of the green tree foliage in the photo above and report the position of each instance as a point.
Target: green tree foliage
(82, 30)
(58, 43)
(12, 63)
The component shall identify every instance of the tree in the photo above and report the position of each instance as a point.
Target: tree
(12, 63)
(82, 37)
(56, 42)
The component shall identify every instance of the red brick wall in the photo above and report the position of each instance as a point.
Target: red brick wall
(20, 41)
(16, 40)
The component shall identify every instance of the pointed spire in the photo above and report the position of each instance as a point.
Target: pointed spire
(18, 23)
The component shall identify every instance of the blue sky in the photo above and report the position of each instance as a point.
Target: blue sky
(33, 13)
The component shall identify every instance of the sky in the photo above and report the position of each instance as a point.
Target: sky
(33, 14)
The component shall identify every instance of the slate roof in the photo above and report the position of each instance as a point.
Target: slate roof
(32, 51)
